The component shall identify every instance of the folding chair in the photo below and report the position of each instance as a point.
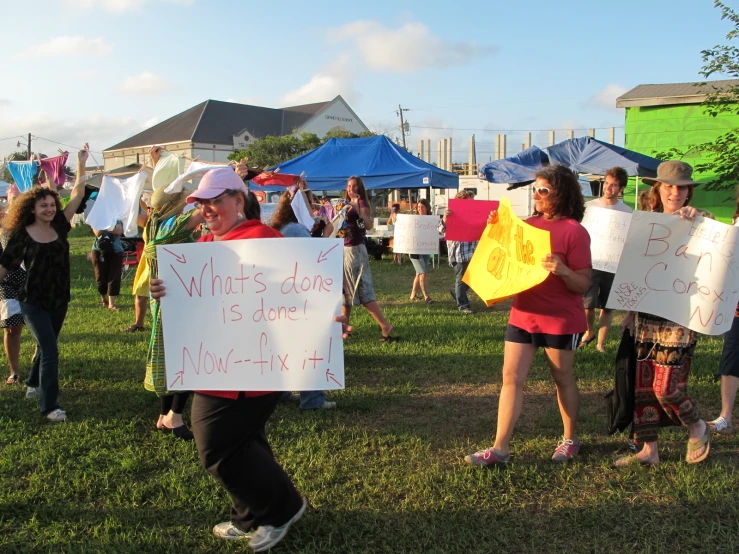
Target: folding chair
(131, 259)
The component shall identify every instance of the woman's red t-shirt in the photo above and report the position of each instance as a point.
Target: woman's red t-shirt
(550, 307)
(251, 229)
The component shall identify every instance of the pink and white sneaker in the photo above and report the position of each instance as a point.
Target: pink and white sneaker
(489, 457)
(566, 450)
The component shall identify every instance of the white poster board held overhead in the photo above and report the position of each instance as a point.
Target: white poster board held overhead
(416, 234)
(608, 230)
(684, 271)
(250, 315)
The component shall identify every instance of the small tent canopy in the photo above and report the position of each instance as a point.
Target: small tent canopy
(582, 155)
(381, 164)
(589, 155)
(520, 168)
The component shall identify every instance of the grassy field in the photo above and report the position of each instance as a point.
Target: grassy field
(382, 473)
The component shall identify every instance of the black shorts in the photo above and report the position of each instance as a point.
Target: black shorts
(557, 342)
(600, 287)
(729, 364)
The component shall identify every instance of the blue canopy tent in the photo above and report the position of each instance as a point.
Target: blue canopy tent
(589, 155)
(381, 164)
(583, 155)
(518, 169)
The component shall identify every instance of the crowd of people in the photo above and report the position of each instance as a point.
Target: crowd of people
(558, 315)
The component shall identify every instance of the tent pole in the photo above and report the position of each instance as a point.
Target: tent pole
(636, 193)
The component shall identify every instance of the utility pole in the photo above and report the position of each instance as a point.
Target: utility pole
(402, 123)
(29, 146)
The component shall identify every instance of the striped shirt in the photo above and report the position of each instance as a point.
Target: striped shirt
(460, 252)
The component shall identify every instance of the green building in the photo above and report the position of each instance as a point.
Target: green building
(660, 117)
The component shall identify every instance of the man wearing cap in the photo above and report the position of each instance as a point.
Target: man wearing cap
(601, 282)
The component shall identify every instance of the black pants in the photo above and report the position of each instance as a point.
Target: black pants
(233, 447)
(108, 272)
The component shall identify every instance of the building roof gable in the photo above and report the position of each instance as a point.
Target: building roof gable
(216, 122)
(672, 93)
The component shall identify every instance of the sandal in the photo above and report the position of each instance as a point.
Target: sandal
(114, 309)
(383, 338)
(13, 380)
(630, 460)
(133, 329)
(428, 300)
(704, 441)
(721, 426)
(584, 343)
(181, 432)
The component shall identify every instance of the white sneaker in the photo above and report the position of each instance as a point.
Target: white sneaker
(267, 536)
(228, 531)
(57, 415)
(328, 406)
(31, 393)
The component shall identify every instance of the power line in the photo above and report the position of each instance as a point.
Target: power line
(61, 143)
(515, 130)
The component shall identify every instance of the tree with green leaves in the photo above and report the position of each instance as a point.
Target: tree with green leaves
(271, 151)
(721, 156)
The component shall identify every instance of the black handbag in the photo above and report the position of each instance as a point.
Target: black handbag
(620, 401)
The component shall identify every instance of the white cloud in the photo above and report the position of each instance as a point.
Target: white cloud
(67, 46)
(100, 131)
(606, 97)
(145, 84)
(336, 78)
(409, 48)
(121, 6)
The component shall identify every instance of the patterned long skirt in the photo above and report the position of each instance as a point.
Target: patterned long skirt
(664, 352)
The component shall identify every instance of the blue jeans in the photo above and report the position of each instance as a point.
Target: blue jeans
(460, 287)
(309, 399)
(45, 326)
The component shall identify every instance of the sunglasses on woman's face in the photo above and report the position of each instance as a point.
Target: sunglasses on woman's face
(199, 204)
(542, 191)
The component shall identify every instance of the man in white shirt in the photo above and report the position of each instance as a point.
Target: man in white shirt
(601, 281)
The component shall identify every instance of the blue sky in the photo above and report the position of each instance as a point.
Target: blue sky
(102, 70)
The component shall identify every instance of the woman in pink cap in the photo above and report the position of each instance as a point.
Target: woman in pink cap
(229, 426)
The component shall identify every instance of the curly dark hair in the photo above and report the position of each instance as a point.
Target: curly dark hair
(566, 196)
(655, 201)
(20, 214)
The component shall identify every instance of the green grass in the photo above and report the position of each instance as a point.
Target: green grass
(383, 473)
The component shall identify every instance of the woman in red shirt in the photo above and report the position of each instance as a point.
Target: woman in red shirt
(549, 315)
(229, 426)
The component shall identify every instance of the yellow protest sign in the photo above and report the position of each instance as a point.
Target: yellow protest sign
(508, 257)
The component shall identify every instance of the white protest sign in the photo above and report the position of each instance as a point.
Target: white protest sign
(416, 234)
(684, 271)
(253, 314)
(608, 230)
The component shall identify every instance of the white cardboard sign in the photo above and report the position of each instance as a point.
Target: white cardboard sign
(250, 315)
(684, 271)
(416, 234)
(608, 230)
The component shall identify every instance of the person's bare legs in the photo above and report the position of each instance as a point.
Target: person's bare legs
(140, 303)
(729, 385)
(568, 397)
(424, 290)
(376, 312)
(604, 324)
(649, 453)
(416, 283)
(517, 360)
(12, 344)
(111, 303)
(590, 333)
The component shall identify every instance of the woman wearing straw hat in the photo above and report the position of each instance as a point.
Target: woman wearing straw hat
(665, 349)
